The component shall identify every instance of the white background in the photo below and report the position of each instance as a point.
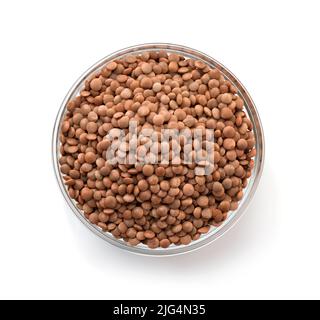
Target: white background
(271, 46)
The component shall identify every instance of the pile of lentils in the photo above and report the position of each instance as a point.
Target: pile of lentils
(157, 205)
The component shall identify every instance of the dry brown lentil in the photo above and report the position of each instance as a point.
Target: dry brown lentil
(188, 189)
(148, 170)
(96, 84)
(158, 120)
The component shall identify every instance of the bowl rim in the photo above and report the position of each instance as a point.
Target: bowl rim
(250, 190)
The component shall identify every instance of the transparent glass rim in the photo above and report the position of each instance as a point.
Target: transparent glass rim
(249, 191)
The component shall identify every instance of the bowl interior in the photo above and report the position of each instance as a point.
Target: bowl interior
(233, 217)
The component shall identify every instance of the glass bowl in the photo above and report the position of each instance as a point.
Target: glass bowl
(215, 232)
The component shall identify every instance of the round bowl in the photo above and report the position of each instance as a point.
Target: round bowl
(233, 217)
